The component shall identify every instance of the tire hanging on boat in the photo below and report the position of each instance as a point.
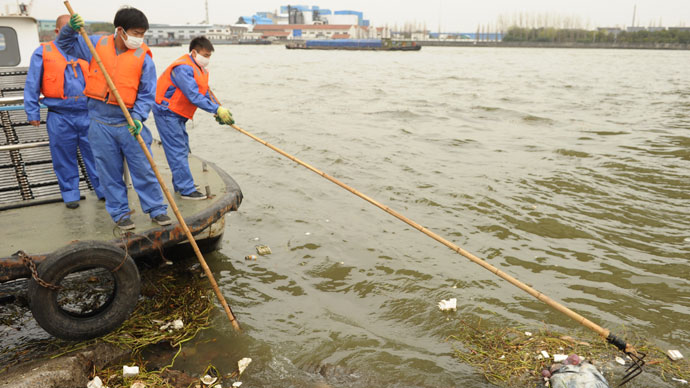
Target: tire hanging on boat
(78, 264)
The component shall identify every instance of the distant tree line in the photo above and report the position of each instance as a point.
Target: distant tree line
(570, 35)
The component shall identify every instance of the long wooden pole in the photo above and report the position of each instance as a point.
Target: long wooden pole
(605, 333)
(171, 200)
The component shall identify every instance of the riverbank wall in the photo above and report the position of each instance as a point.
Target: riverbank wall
(573, 45)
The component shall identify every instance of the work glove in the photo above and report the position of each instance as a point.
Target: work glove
(223, 116)
(76, 22)
(136, 129)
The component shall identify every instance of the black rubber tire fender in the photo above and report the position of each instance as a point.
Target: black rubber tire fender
(74, 257)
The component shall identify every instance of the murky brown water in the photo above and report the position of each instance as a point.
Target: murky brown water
(568, 169)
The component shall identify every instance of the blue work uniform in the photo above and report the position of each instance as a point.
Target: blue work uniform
(172, 127)
(67, 124)
(111, 140)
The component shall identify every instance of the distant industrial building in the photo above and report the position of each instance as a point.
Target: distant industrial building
(303, 14)
(159, 33)
(320, 31)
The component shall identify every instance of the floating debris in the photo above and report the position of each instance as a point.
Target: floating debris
(506, 355)
(237, 384)
(208, 380)
(307, 234)
(527, 333)
(138, 384)
(255, 239)
(560, 357)
(620, 360)
(243, 364)
(130, 371)
(448, 305)
(545, 354)
(674, 355)
(177, 324)
(679, 380)
(95, 383)
(263, 250)
(251, 257)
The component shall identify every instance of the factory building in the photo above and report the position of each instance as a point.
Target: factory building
(159, 33)
(320, 31)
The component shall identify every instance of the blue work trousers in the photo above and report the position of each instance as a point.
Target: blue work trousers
(66, 132)
(173, 133)
(110, 143)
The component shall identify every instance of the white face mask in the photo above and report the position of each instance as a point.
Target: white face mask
(132, 42)
(201, 60)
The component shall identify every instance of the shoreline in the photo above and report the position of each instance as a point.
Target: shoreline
(569, 45)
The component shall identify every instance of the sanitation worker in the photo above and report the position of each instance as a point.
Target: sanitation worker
(182, 88)
(60, 78)
(128, 62)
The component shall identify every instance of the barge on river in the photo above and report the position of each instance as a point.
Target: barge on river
(355, 44)
(63, 246)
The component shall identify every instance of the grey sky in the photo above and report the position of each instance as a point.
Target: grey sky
(454, 15)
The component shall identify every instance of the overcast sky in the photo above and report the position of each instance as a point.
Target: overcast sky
(453, 15)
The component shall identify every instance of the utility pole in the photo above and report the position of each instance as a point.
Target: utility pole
(634, 14)
(207, 21)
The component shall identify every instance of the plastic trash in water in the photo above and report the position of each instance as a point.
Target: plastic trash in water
(584, 375)
(138, 384)
(448, 305)
(674, 355)
(130, 371)
(237, 384)
(620, 360)
(208, 380)
(527, 333)
(263, 250)
(545, 354)
(177, 324)
(251, 257)
(560, 357)
(679, 380)
(95, 383)
(243, 364)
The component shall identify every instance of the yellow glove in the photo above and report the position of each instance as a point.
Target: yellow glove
(224, 116)
(76, 22)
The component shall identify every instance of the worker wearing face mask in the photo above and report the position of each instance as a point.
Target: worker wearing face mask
(182, 88)
(128, 61)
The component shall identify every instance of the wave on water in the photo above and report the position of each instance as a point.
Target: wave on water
(573, 153)
(537, 119)
(398, 114)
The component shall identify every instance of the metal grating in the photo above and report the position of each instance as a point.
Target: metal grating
(27, 174)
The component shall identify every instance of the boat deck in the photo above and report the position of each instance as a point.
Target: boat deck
(42, 228)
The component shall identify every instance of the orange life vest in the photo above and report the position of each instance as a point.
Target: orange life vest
(178, 103)
(124, 69)
(54, 65)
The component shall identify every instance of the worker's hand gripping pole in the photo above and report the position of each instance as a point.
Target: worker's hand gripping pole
(171, 200)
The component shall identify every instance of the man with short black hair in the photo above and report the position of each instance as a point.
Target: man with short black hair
(61, 79)
(182, 88)
(128, 62)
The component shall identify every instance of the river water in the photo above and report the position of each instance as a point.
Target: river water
(568, 169)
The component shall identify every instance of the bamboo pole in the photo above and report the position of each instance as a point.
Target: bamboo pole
(171, 200)
(605, 333)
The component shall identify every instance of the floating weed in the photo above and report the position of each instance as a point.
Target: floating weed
(168, 294)
(511, 357)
